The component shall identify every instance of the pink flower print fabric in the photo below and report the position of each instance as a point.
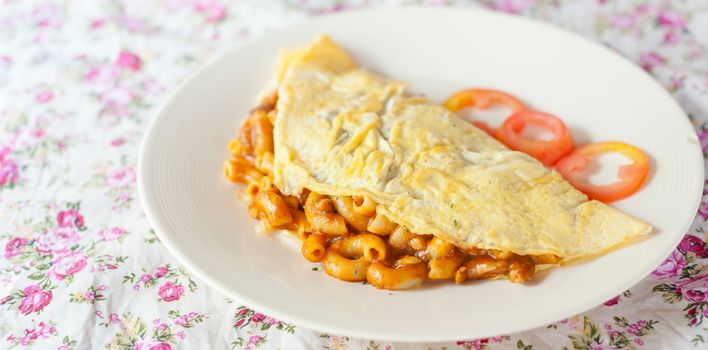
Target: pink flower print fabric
(35, 299)
(80, 266)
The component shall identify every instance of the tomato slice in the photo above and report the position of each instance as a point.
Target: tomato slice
(631, 176)
(483, 99)
(548, 152)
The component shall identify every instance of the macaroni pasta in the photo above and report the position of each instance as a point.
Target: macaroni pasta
(347, 235)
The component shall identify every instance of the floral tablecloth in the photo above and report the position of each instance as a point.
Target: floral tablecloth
(80, 267)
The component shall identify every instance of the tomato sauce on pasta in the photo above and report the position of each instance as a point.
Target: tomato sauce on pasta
(346, 235)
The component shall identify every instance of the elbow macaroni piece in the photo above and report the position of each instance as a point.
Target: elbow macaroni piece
(348, 258)
(546, 259)
(320, 202)
(262, 133)
(381, 225)
(521, 269)
(243, 145)
(439, 249)
(252, 190)
(517, 269)
(345, 207)
(319, 213)
(364, 205)
(399, 238)
(403, 276)
(419, 242)
(314, 247)
(338, 266)
(328, 223)
(240, 171)
(444, 268)
(273, 207)
(481, 267)
(372, 247)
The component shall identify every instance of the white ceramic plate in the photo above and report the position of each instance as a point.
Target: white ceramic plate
(600, 95)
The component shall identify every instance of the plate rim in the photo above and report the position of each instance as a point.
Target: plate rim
(148, 204)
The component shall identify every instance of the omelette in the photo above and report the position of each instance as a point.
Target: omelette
(343, 130)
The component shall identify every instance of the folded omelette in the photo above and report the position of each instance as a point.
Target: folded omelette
(342, 130)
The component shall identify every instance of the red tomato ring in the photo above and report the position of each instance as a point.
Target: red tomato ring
(483, 99)
(631, 176)
(548, 152)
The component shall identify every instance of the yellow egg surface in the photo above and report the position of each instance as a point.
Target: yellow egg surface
(342, 130)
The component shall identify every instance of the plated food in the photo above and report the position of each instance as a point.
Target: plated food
(195, 215)
(391, 188)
